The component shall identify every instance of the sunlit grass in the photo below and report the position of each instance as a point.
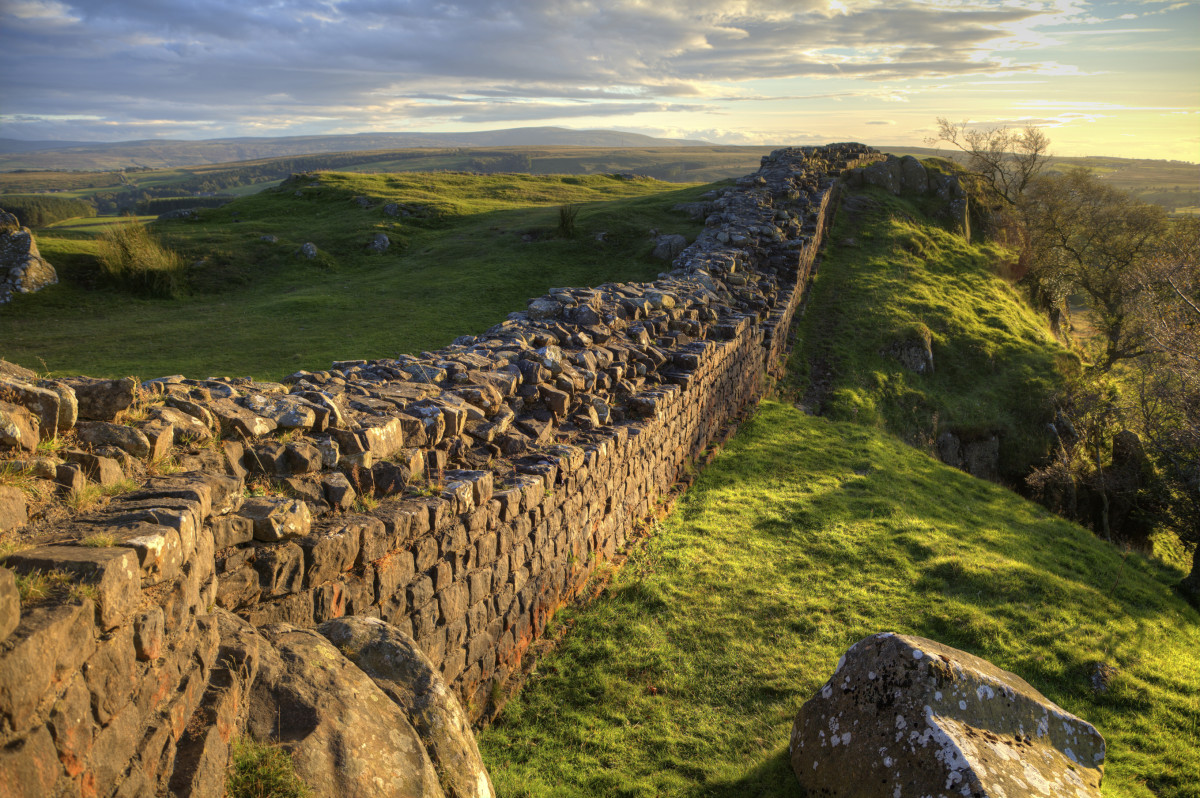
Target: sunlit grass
(803, 537)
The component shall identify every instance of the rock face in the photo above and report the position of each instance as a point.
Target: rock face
(910, 717)
(907, 175)
(346, 736)
(22, 268)
(393, 660)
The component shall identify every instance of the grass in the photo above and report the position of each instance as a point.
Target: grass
(473, 249)
(262, 770)
(809, 533)
(892, 271)
(132, 257)
(803, 537)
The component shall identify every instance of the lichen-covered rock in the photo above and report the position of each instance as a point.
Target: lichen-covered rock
(346, 736)
(907, 716)
(401, 670)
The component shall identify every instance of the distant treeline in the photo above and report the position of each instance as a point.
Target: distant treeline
(39, 210)
(165, 204)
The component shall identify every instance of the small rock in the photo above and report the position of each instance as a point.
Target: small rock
(308, 250)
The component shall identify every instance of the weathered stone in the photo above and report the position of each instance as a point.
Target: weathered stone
(187, 428)
(103, 471)
(910, 716)
(51, 643)
(395, 663)
(277, 518)
(236, 421)
(19, 429)
(113, 572)
(346, 737)
(102, 433)
(914, 349)
(10, 604)
(668, 246)
(148, 632)
(102, 400)
(13, 508)
(29, 765)
(68, 403)
(23, 270)
(41, 402)
(108, 674)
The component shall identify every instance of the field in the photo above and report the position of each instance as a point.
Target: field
(472, 249)
(1173, 184)
(807, 534)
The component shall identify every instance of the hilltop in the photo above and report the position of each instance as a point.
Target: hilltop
(168, 153)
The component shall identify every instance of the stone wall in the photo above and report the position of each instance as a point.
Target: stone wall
(461, 495)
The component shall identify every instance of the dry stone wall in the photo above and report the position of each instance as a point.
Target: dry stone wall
(460, 495)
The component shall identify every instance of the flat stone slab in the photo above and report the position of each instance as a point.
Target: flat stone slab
(907, 717)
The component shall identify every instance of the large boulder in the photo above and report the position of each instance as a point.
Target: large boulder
(22, 268)
(909, 716)
(402, 670)
(345, 735)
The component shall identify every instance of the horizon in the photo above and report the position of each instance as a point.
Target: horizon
(1116, 77)
(765, 145)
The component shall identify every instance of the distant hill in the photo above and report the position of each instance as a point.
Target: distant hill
(166, 153)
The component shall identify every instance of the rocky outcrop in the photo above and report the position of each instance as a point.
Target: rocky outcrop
(907, 175)
(909, 716)
(23, 270)
(393, 660)
(345, 735)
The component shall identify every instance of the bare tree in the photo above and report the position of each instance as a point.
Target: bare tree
(1087, 237)
(1005, 160)
(1168, 308)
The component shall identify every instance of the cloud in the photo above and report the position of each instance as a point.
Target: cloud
(881, 122)
(307, 63)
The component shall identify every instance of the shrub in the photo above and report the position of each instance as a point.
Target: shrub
(131, 256)
(566, 220)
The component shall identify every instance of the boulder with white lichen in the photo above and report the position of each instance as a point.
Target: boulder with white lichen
(906, 716)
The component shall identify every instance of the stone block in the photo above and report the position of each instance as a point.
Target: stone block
(231, 530)
(13, 508)
(102, 400)
(19, 428)
(29, 765)
(41, 402)
(113, 572)
(327, 556)
(10, 604)
(48, 645)
(277, 518)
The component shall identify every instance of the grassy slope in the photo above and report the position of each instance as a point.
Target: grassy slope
(458, 266)
(806, 535)
(994, 362)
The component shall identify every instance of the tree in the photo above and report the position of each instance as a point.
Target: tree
(1084, 236)
(1168, 310)
(1005, 160)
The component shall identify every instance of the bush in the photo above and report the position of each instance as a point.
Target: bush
(131, 256)
(261, 770)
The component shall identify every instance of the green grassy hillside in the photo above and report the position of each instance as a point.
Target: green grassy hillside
(887, 272)
(809, 533)
(471, 249)
(803, 537)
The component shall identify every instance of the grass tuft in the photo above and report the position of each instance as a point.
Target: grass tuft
(131, 256)
(262, 770)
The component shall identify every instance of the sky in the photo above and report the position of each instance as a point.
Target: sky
(1103, 78)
